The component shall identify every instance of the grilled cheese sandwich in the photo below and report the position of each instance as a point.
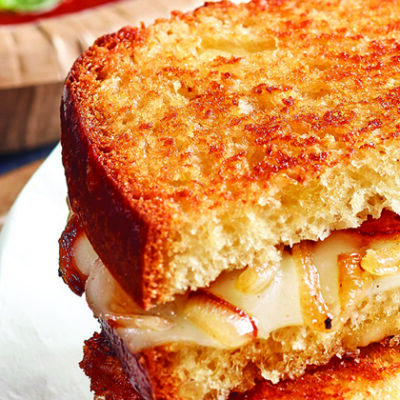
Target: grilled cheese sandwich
(233, 178)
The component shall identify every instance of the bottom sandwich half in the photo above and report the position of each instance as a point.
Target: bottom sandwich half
(309, 331)
(374, 373)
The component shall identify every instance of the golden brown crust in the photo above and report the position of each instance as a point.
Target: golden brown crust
(360, 376)
(117, 224)
(304, 87)
(107, 378)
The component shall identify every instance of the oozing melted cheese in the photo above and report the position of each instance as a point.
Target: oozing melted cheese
(277, 306)
(273, 308)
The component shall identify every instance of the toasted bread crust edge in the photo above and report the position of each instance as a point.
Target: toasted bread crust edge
(129, 234)
(373, 373)
(133, 364)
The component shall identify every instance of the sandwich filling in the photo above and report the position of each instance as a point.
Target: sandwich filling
(316, 284)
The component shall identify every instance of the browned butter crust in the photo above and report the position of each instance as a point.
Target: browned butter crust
(107, 378)
(374, 368)
(147, 139)
(365, 377)
(124, 229)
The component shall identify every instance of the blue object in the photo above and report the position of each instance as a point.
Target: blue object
(11, 161)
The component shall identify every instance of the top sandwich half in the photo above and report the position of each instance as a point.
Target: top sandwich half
(208, 141)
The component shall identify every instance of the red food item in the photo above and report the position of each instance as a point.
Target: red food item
(65, 7)
(68, 269)
(387, 225)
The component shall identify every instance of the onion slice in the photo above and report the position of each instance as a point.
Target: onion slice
(254, 280)
(142, 322)
(69, 270)
(383, 258)
(352, 279)
(315, 312)
(220, 319)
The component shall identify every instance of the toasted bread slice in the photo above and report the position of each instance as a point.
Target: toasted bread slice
(201, 143)
(374, 373)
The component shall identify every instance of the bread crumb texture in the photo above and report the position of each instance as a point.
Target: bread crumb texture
(373, 374)
(242, 127)
(193, 372)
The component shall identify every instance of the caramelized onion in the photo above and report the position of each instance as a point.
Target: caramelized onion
(69, 270)
(254, 280)
(388, 224)
(220, 319)
(352, 279)
(383, 258)
(314, 309)
(147, 322)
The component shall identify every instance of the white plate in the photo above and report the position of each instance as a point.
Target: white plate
(42, 323)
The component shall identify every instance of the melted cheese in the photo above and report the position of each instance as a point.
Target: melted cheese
(277, 306)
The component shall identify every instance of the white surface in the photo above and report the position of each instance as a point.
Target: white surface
(42, 323)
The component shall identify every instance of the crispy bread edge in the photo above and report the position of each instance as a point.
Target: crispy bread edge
(129, 234)
(375, 371)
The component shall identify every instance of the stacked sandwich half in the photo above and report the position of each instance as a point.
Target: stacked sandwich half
(234, 183)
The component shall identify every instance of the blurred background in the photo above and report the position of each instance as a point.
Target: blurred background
(39, 41)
